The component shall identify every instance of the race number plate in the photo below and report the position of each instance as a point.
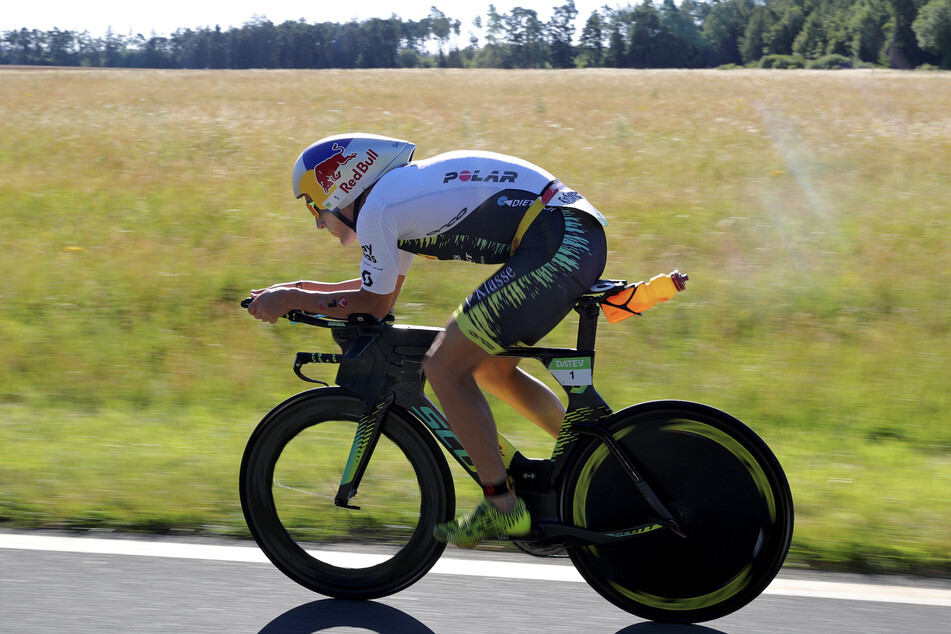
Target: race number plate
(571, 372)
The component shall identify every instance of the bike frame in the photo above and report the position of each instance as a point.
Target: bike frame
(588, 501)
(387, 379)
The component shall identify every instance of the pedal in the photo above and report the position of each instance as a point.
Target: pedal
(539, 549)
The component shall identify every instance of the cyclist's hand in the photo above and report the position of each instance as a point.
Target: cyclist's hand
(271, 304)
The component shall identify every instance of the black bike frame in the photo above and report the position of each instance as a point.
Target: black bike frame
(390, 374)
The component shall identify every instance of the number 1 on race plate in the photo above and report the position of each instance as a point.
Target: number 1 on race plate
(571, 372)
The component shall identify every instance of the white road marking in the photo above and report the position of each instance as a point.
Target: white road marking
(451, 565)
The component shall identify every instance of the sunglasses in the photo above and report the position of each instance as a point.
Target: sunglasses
(314, 209)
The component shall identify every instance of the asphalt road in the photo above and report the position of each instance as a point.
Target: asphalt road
(59, 583)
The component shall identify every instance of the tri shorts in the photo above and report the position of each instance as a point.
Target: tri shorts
(562, 254)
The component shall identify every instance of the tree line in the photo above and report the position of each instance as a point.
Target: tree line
(694, 34)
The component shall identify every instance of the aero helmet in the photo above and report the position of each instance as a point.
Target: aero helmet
(336, 170)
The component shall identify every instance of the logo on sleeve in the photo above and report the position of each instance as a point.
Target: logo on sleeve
(368, 253)
(570, 197)
(367, 279)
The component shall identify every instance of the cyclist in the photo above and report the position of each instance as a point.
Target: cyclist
(547, 240)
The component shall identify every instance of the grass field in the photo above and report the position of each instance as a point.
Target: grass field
(811, 210)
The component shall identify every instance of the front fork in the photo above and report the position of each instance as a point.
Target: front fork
(367, 435)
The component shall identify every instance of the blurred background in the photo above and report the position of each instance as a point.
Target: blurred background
(810, 209)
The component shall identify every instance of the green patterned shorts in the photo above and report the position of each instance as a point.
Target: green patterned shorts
(561, 255)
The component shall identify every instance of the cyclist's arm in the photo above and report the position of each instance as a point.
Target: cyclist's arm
(342, 302)
(312, 285)
(332, 287)
(271, 304)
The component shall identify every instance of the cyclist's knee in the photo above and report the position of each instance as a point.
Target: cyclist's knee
(435, 366)
(453, 356)
(495, 370)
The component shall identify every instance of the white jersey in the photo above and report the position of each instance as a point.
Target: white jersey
(456, 206)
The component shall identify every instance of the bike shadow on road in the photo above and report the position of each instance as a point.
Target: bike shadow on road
(651, 627)
(332, 613)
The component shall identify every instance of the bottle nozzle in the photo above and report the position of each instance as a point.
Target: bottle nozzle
(679, 279)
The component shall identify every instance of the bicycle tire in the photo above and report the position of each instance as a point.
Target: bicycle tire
(724, 487)
(290, 472)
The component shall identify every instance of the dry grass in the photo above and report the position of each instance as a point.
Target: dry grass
(809, 207)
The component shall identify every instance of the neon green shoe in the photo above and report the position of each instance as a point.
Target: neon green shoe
(485, 522)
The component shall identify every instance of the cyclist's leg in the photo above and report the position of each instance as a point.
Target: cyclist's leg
(449, 368)
(528, 396)
(521, 302)
(561, 255)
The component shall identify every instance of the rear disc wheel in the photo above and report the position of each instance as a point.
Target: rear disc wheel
(721, 483)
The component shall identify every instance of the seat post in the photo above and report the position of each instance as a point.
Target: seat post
(588, 310)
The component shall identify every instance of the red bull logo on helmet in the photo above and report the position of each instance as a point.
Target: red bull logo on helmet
(336, 170)
(327, 172)
(359, 170)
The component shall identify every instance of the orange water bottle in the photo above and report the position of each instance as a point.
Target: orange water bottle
(643, 295)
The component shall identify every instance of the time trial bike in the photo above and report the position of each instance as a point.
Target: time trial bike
(672, 510)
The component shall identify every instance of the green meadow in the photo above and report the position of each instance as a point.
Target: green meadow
(810, 209)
